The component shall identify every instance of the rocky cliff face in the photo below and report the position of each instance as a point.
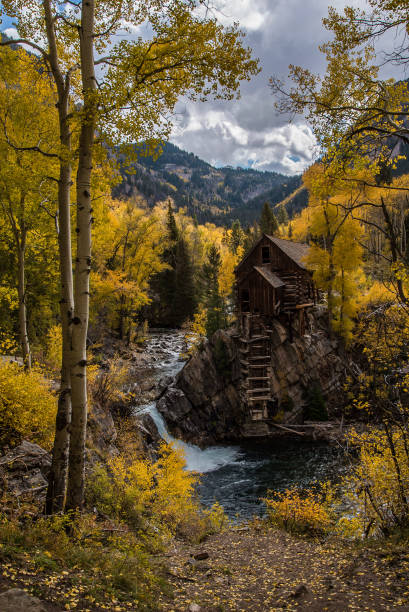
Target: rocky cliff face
(204, 406)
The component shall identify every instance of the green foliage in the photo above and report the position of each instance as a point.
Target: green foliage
(176, 284)
(282, 215)
(268, 222)
(221, 358)
(237, 237)
(215, 318)
(93, 562)
(27, 406)
(185, 296)
(287, 403)
(315, 408)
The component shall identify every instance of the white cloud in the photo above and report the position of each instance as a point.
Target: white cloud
(218, 137)
(249, 13)
(248, 131)
(11, 32)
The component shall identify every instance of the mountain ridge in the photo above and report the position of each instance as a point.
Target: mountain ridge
(218, 195)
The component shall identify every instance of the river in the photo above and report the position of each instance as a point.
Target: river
(238, 476)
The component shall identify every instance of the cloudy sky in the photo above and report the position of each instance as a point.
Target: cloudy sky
(248, 132)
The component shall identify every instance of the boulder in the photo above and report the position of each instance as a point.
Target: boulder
(24, 470)
(174, 405)
(17, 600)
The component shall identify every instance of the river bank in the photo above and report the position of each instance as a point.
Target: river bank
(258, 568)
(235, 475)
(246, 568)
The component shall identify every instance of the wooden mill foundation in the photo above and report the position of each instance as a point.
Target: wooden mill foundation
(255, 366)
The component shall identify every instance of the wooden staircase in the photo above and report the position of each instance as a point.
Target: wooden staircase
(255, 360)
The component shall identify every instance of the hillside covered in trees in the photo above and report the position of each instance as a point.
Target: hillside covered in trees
(217, 195)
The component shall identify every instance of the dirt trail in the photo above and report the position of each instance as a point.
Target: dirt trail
(265, 570)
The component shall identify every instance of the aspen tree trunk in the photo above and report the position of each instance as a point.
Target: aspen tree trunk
(22, 310)
(20, 237)
(59, 469)
(76, 471)
(122, 300)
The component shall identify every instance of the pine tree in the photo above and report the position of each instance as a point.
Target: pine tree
(290, 230)
(185, 297)
(175, 285)
(250, 238)
(282, 215)
(215, 317)
(236, 237)
(173, 231)
(268, 222)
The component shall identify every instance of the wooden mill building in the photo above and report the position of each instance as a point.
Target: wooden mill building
(272, 281)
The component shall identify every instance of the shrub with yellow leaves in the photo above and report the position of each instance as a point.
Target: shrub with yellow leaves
(377, 486)
(27, 406)
(302, 512)
(161, 495)
(54, 348)
(106, 386)
(196, 331)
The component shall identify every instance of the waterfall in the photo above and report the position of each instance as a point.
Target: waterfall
(197, 460)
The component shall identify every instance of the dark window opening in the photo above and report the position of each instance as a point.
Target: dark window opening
(245, 300)
(265, 254)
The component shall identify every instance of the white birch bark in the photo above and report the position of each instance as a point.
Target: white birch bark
(59, 470)
(76, 473)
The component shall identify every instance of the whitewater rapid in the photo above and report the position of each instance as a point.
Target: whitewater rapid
(165, 349)
(197, 459)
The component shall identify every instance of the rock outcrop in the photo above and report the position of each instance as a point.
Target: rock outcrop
(204, 404)
(101, 433)
(24, 470)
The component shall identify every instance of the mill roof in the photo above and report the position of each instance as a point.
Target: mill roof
(270, 277)
(296, 251)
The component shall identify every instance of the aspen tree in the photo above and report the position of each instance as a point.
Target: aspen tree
(131, 99)
(25, 125)
(360, 119)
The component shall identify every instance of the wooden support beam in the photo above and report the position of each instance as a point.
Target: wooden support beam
(259, 399)
(299, 433)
